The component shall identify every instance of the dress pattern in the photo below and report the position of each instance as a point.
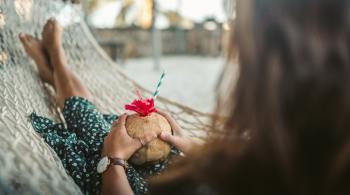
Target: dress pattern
(79, 145)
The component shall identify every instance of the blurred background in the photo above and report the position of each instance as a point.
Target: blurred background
(184, 38)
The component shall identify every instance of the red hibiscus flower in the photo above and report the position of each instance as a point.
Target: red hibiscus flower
(143, 107)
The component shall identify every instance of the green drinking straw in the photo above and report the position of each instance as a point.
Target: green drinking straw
(156, 93)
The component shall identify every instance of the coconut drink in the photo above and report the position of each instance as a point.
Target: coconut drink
(145, 120)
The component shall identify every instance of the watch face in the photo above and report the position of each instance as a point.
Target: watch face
(102, 165)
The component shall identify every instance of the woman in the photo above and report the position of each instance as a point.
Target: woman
(79, 142)
(291, 98)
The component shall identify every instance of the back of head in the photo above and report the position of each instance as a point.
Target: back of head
(293, 99)
(294, 89)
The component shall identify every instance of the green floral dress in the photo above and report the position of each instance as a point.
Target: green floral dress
(79, 145)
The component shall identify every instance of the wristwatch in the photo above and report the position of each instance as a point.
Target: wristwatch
(102, 166)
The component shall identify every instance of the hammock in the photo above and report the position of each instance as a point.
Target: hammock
(27, 164)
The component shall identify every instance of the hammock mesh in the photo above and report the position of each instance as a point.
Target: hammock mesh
(27, 164)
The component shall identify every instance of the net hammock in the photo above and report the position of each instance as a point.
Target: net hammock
(27, 164)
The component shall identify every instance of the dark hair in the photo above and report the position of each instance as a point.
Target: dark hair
(292, 98)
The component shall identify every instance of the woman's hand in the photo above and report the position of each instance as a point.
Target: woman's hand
(179, 139)
(119, 144)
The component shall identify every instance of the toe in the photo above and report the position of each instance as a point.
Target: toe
(48, 26)
(21, 37)
(30, 38)
(56, 26)
(52, 22)
(24, 39)
(55, 23)
(33, 41)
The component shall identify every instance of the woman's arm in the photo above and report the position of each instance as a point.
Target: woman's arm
(114, 181)
(182, 142)
(118, 144)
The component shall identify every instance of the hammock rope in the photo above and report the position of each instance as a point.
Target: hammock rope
(28, 165)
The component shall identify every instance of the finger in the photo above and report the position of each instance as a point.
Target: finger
(171, 139)
(166, 115)
(119, 124)
(121, 119)
(182, 144)
(174, 125)
(147, 138)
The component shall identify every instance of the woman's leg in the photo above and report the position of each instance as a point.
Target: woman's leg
(66, 83)
(34, 49)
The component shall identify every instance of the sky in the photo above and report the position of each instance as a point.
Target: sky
(196, 10)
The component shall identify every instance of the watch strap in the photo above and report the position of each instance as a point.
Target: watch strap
(118, 161)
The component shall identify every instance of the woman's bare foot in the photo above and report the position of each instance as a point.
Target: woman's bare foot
(52, 37)
(66, 83)
(35, 50)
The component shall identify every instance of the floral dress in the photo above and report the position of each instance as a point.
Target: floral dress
(79, 145)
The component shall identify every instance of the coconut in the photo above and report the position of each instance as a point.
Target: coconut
(137, 126)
